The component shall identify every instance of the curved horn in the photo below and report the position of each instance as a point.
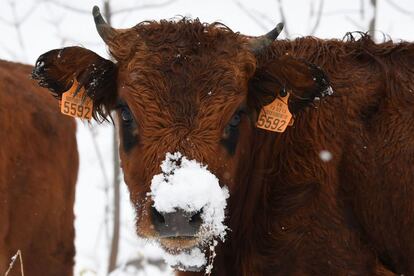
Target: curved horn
(105, 31)
(260, 43)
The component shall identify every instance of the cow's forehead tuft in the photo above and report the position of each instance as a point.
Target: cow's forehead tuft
(186, 58)
(180, 40)
(186, 68)
(183, 31)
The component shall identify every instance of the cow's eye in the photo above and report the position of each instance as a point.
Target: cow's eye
(126, 115)
(231, 131)
(128, 127)
(235, 120)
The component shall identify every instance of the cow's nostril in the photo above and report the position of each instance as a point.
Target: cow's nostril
(157, 217)
(176, 224)
(196, 218)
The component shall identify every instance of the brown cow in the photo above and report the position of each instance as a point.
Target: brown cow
(331, 195)
(38, 171)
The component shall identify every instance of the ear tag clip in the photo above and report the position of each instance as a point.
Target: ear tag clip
(276, 116)
(76, 103)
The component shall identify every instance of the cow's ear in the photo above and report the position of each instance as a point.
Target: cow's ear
(57, 69)
(305, 82)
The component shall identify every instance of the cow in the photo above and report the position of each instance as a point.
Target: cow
(328, 193)
(38, 172)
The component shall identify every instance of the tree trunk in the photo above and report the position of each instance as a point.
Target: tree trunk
(116, 208)
(372, 23)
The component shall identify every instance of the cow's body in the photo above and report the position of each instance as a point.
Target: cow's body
(299, 215)
(38, 170)
(332, 195)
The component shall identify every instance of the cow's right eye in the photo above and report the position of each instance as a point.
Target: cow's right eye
(128, 127)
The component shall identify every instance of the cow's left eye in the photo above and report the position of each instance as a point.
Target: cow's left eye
(126, 115)
(231, 131)
(235, 120)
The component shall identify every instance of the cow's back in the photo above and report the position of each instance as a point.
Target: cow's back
(38, 171)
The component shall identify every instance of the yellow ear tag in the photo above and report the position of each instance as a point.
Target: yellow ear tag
(276, 115)
(76, 105)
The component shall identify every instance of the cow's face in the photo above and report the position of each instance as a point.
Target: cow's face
(182, 102)
(186, 96)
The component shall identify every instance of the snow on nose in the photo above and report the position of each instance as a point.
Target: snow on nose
(188, 185)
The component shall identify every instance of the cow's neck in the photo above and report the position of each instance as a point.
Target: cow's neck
(249, 207)
(273, 206)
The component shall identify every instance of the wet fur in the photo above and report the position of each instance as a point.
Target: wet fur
(290, 212)
(38, 171)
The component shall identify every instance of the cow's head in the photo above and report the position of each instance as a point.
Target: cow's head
(187, 96)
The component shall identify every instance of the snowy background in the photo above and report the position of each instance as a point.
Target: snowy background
(29, 28)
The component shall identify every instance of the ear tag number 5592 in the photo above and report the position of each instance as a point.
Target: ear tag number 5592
(76, 105)
(276, 115)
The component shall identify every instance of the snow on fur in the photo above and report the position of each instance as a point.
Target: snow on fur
(194, 258)
(190, 186)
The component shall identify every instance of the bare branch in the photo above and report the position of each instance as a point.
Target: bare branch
(6, 22)
(251, 16)
(400, 9)
(17, 25)
(141, 7)
(341, 12)
(362, 9)
(318, 17)
(356, 24)
(311, 9)
(283, 17)
(99, 156)
(141, 262)
(67, 7)
(29, 13)
(265, 17)
(373, 21)
(105, 182)
(21, 19)
(116, 205)
(12, 55)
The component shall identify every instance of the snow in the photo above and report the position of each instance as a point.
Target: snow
(328, 92)
(51, 26)
(325, 155)
(209, 267)
(188, 185)
(194, 258)
(13, 259)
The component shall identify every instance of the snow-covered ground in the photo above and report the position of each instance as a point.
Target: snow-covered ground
(48, 25)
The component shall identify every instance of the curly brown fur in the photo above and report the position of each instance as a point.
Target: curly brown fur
(57, 69)
(38, 171)
(290, 213)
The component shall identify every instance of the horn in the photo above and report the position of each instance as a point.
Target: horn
(106, 32)
(258, 44)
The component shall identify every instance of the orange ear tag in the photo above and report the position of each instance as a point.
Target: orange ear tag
(276, 115)
(76, 105)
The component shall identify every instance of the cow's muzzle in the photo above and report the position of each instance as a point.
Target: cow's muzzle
(177, 224)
